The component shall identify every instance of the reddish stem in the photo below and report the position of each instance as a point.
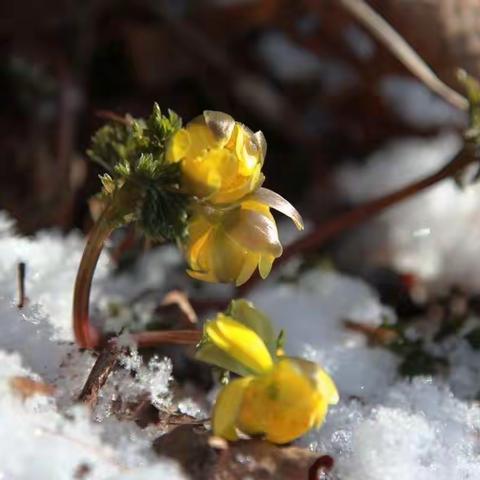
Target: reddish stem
(86, 335)
(178, 337)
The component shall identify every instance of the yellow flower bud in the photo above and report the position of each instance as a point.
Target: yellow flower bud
(228, 245)
(240, 343)
(221, 158)
(281, 405)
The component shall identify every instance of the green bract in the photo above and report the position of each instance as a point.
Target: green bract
(140, 183)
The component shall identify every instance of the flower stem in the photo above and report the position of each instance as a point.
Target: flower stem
(330, 229)
(177, 337)
(86, 335)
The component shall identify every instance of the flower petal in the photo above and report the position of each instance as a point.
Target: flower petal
(327, 387)
(247, 151)
(282, 404)
(250, 263)
(208, 352)
(178, 146)
(226, 408)
(321, 380)
(240, 342)
(228, 258)
(245, 312)
(255, 231)
(265, 265)
(277, 202)
(203, 276)
(221, 124)
(262, 143)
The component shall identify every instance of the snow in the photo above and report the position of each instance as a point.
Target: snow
(325, 300)
(433, 235)
(385, 427)
(417, 430)
(51, 436)
(416, 105)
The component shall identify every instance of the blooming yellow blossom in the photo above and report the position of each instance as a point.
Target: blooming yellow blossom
(221, 158)
(284, 403)
(227, 245)
(280, 405)
(283, 398)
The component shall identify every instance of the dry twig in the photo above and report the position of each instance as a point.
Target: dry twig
(102, 368)
(385, 33)
(21, 269)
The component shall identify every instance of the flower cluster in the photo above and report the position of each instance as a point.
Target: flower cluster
(277, 397)
(201, 186)
(231, 231)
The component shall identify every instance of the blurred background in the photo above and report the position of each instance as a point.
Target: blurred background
(324, 92)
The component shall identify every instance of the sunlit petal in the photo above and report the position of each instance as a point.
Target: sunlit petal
(281, 405)
(277, 202)
(245, 312)
(240, 342)
(226, 408)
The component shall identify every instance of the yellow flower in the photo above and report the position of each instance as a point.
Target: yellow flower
(227, 245)
(239, 342)
(279, 398)
(242, 340)
(280, 405)
(221, 158)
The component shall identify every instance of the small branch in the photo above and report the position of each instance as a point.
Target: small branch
(21, 270)
(100, 372)
(180, 299)
(375, 335)
(360, 214)
(176, 337)
(384, 33)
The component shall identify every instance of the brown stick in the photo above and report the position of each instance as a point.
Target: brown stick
(177, 337)
(368, 210)
(21, 268)
(403, 51)
(102, 368)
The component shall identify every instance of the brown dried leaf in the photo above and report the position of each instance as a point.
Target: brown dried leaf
(26, 387)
